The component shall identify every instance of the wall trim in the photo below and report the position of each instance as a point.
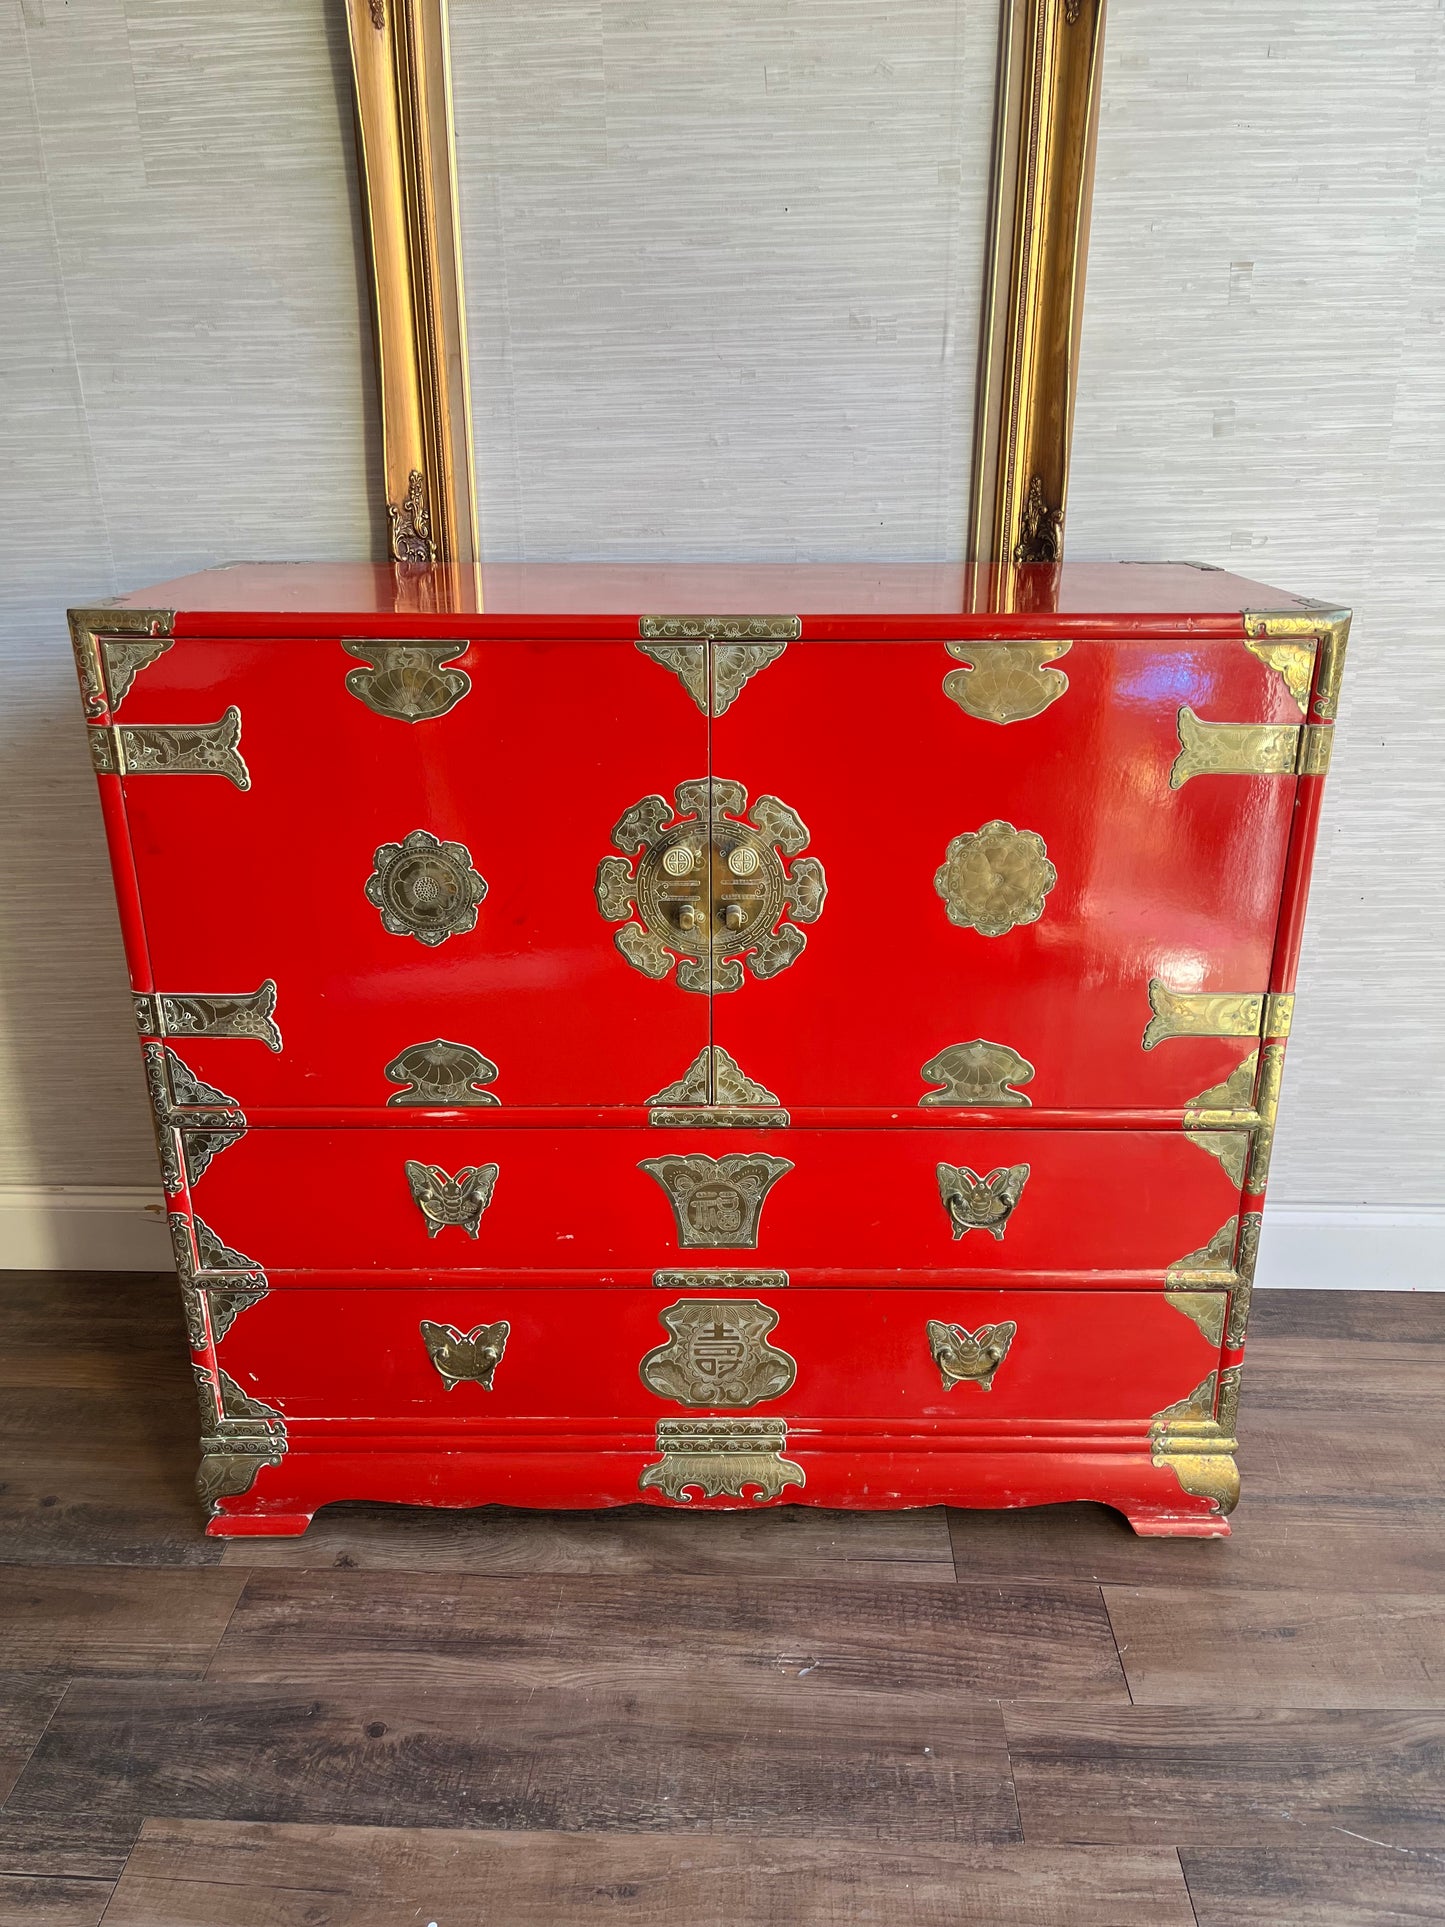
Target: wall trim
(73, 1227)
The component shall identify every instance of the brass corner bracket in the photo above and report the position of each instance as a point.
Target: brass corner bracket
(1323, 632)
(111, 648)
(1194, 1438)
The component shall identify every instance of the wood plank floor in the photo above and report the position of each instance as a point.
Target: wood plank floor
(764, 1719)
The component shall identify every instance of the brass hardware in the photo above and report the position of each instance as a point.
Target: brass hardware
(171, 749)
(1239, 1301)
(1278, 1013)
(441, 1074)
(194, 1121)
(709, 887)
(1005, 682)
(1266, 1098)
(1331, 630)
(714, 1280)
(212, 1276)
(994, 878)
(411, 540)
(1229, 1105)
(1204, 1013)
(714, 1090)
(1227, 1409)
(239, 1434)
(196, 1013)
(721, 1457)
(965, 1357)
(717, 1202)
(1249, 749)
(1211, 1267)
(1198, 1285)
(444, 1200)
(466, 1357)
(406, 680)
(1293, 662)
(1316, 742)
(977, 1074)
(425, 888)
(981, 1204)
(111, 648)
(1041, 528)
(1198, 1448)
(720, 629)
(714, 672)
(718, 1354)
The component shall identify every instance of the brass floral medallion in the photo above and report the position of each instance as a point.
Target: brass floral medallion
(994, 878)
(425, 888)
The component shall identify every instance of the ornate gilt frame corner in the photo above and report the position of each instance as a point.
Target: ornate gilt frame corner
(402, 79)
(1042, 178)
(1048, 115)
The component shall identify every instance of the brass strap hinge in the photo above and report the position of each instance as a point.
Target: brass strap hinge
(1248, 749)
(171, 749)
(1216, 1013)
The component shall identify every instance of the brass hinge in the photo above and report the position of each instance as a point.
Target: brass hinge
(1248, 749)
(171, 749)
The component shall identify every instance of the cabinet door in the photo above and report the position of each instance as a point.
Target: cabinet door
(1002, 887)
(402, 841)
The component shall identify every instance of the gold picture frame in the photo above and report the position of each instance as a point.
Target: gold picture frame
(1042, 175)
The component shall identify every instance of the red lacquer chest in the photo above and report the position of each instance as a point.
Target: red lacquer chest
(713, 1036)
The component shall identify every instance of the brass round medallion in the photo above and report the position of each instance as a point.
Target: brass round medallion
(743, 861)
(425, 888)
(678, 860)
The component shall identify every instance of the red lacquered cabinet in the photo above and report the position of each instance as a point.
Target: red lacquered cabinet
(713, 1036)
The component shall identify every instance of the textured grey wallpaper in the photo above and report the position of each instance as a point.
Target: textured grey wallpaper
(185, 377)
(724, 273)
(1263, 387)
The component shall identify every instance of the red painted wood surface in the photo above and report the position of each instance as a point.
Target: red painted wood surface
(1135, 1201)
(565, 727)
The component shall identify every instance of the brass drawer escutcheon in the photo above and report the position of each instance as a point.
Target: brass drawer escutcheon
(721, 1458)
(444, 1200)
(975, 1203)
(441, 1074)
(406, 680)
(977, 1074)
(718, 1354)
(466, 1358)
(717, 1202)
(969, 1358)
(1005, 682)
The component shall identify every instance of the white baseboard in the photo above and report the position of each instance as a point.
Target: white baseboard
(72, 1227)
(69, 1227)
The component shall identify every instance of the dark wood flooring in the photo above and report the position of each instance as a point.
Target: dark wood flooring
(758, 1719)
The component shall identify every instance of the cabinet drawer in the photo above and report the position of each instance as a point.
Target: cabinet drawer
(462, 1354)
(624, 1202)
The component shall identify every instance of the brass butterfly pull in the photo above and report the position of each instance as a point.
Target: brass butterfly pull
(466, 1356)
(444, 1200)
(981, 1204)
(963, 1355)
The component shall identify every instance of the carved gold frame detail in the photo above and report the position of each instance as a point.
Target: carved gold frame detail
(1042, 175)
